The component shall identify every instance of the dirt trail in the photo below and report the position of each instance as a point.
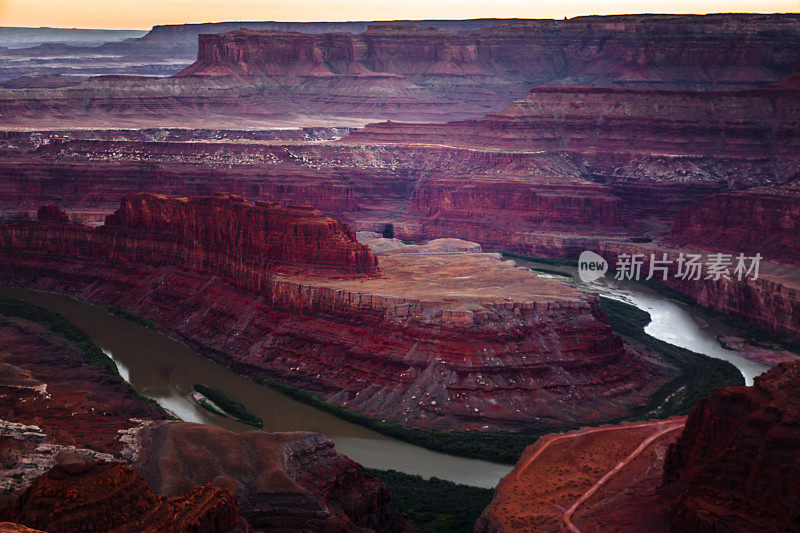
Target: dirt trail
(669, 427)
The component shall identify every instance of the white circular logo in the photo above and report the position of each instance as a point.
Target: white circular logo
(591, 266)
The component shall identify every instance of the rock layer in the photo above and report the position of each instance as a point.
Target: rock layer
(593, 479)
(47, 383)
(86, 496)
(732, 465)
(736, 467)
(759, 220)
(282, 481)
(745, 124)
(221, 235)
(771, 300)
(453, 340)
(408, 72)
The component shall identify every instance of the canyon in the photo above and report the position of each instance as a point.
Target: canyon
(446, 337)
(728, 466)
(268, 74)
(80, 449)
(310, 204)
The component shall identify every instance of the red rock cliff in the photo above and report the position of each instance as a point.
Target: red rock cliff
(282, 481)
(224, 235)
(492, 346)
(721, 50)
(759, 220)
(595, 120)
(736, 466)
(79, 496)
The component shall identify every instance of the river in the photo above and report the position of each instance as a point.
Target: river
(671, 321)
(164, 369)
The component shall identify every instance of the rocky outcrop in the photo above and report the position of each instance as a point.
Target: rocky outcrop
(759, 220)
(282, 481)
(223, 235)
(373, 185)
(732, 465)
(735, 467)
(51, 212)
(446, 340)
(601, 479)
(64, 423)
(743, 125)
(98, 496)
(46, 383)
(725, 51)
(513, 213)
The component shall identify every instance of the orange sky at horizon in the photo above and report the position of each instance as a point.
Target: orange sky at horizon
(143, 14)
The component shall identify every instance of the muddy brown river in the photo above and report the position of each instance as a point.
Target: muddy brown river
(164, 369)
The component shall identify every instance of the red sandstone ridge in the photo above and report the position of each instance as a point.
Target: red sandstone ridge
(282, 481)
(97, 496)
(281, 238)
(223, 234)
(760, 220)
(736, 466)
(446, 340)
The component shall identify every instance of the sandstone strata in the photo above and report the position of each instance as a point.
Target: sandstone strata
(449, 341)
(57, 411)
(282, 481)
(759, 220)
(47, 384)
(772, 300)
(444, 71)
(221, 235)
(96, 496)
(736, 467)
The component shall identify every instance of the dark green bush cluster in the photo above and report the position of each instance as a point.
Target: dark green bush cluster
(231, 407)
(138, 319)
(435, 505)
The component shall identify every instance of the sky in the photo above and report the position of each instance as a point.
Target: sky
(143, 14)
